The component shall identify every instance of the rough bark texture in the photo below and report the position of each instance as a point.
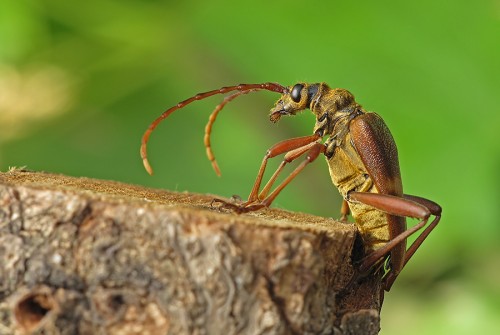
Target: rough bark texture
(85, 256)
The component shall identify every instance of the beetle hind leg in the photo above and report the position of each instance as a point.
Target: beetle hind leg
(408, 206)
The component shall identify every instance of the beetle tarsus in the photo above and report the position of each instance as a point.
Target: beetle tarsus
(238, 208)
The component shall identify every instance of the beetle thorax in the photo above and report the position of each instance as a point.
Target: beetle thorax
(332, 100)
(333, 108)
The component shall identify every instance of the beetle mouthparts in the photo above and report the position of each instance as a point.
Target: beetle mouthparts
(276, 115)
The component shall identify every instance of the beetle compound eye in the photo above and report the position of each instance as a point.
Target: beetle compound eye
(295, 95)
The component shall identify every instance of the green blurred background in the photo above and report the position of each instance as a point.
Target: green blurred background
(80, 82)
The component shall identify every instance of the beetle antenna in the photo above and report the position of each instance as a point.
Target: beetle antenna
(211, 120)
(274, 87)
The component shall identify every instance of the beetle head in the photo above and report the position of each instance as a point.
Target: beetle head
(296, 98)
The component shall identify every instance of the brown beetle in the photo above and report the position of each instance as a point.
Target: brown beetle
(363, 163)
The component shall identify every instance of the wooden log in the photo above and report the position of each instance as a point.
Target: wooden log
(86, 256)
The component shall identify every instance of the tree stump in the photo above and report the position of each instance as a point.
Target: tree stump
(86, 256)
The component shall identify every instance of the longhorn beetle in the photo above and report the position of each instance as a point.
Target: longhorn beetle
(363, 163)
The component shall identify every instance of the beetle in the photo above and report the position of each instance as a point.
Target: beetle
(363, 162)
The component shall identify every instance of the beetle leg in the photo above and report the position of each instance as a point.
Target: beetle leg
(408, 206)
(313, 153)
(290, 156)
(344, 211)
(435, 209)
(278, 148)
(315, 150)
(255, 201)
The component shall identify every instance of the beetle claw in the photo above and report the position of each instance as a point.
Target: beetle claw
(230, 205)
(237, 208)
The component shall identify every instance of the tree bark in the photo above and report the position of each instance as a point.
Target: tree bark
(86, 256)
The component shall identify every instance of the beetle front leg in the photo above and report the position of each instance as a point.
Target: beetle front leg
(294, 148)
(275, 150)
(408, 206)
(290, 156)
(314, 151)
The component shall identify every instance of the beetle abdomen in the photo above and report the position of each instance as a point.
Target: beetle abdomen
(372, 225)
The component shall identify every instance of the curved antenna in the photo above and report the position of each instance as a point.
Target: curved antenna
(200, 96)
(211, 120)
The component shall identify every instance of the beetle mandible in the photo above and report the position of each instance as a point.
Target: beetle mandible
(362, 158)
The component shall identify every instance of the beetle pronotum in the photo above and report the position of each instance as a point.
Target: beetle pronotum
(363, 163)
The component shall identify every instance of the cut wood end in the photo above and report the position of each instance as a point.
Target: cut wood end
(127, 250)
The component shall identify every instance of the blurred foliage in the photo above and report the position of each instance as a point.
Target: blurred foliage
(79, 84)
